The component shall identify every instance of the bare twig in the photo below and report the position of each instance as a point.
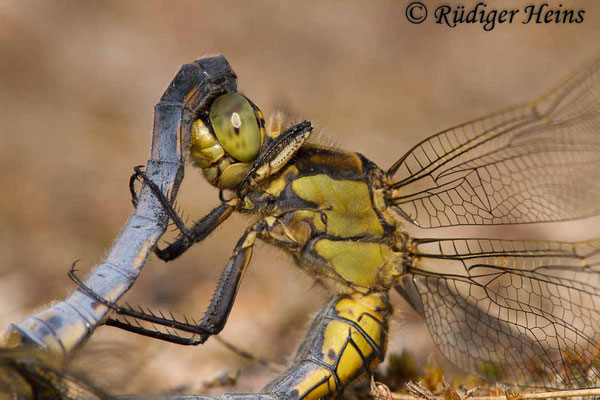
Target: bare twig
(219, 379)
(272, 365)
(469, 393)
(418, 391)
(379, 390)
(544, 395)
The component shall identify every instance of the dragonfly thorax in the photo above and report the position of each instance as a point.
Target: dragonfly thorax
(326, 209)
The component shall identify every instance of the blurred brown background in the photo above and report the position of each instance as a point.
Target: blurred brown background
(78, 82)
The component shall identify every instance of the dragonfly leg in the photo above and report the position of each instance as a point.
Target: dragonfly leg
(188, 236)
(346, 340)
(166, 204)
(216, 315)
(198, 232)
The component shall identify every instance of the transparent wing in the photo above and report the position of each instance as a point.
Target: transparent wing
(536, 162)
(519, 312)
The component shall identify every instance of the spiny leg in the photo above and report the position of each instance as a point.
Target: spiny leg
(159, 196)
(346, 340)
(216, 315)
(188, 236)
(198, 232)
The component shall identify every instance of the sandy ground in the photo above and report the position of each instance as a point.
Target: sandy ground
(78, 82)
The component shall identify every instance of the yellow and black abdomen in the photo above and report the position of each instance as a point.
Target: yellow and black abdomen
(346, 340)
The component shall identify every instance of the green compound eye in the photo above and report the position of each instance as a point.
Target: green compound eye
(236, 126)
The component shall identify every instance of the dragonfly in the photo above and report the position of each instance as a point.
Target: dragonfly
(518, 311)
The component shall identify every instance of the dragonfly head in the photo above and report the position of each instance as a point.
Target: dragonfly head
(226, 141)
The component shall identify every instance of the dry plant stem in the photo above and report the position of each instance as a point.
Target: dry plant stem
(272, 365)
(545, 395)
